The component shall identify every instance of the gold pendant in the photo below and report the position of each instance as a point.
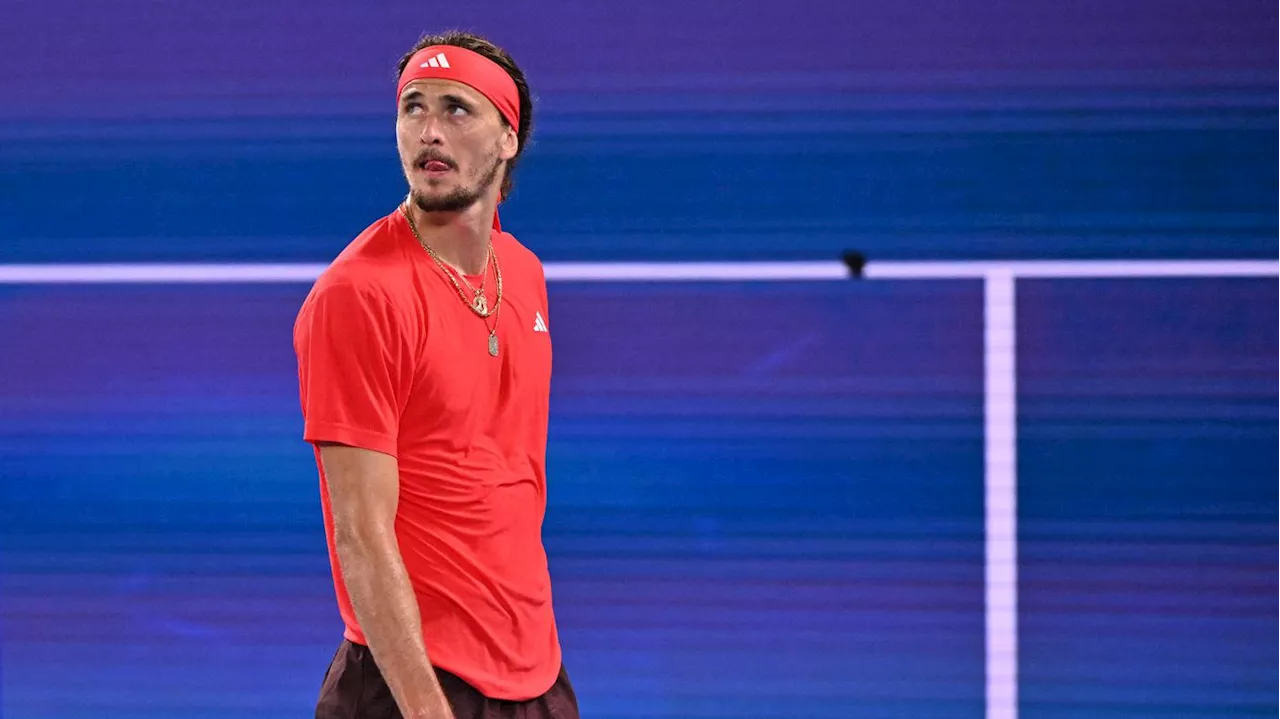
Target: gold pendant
(480, 304)
(493, 344)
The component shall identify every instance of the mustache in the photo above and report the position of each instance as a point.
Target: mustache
(426, 156)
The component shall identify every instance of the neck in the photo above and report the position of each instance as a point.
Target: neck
(458, 238)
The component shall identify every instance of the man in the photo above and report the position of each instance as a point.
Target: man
(424, 363)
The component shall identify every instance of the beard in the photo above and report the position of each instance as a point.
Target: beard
(459, 198)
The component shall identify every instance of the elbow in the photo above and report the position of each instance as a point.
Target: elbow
(360, 539)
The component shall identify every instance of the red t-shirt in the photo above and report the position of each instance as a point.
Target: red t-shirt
(390, 359)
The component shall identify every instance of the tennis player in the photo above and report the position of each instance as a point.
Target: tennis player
(424, 367)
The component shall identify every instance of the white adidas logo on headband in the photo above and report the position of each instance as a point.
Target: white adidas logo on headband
(438, 61)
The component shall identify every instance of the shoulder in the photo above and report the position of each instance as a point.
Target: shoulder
(374, 262)
(518, 258)
(371, 274)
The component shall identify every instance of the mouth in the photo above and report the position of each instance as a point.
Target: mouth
(434, 168)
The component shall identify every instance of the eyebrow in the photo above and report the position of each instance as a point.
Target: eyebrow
(458, 100)
(415, 95)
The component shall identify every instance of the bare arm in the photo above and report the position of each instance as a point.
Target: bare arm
(364, 488)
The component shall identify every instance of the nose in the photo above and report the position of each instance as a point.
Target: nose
(431, 130)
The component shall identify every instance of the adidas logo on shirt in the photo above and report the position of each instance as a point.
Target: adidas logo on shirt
(438, 61)
(539, 325)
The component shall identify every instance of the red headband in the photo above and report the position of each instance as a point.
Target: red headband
(450, 62)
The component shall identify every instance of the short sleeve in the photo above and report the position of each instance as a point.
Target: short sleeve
(351, 353)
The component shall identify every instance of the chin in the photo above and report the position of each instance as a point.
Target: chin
(438, 185)
(430, 193)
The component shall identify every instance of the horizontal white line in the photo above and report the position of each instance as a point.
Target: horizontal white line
(556, 271)
(141, 273)
(157, 273)
(1072, 268)
(694, 271)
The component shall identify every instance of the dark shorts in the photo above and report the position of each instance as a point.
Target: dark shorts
(353, 688)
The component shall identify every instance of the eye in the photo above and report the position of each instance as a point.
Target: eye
(413, 108)
(457, 110)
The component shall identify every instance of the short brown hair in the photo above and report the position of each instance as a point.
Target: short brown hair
(478, 44)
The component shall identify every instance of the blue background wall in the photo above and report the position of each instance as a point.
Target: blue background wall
(709, 128)
(766, 499)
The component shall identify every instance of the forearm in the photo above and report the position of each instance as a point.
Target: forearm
(387, 611)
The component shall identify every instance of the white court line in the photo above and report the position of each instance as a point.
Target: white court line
(1000, 348)
(1080, 269)
(149, 273)
(695, 271)
(286, 272)
(142, 273)
(1001, 494)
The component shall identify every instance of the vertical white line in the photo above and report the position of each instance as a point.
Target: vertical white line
(1001, 481)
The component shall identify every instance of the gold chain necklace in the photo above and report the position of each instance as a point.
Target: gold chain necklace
(479, 302)
(479, 305)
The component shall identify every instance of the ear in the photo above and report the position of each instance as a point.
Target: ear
(508, 144)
